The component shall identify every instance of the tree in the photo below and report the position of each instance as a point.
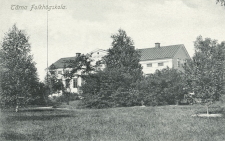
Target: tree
(1, 76)
(20, 76)
(74, 67)
(205, 73)
(51, 82)
(96, 91)
(123, 58)
(39, 95)
(79, 66)
(112, 86)
(222, 2)
(162, 87)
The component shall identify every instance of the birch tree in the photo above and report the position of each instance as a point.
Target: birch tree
(206, 70)
(19, 78)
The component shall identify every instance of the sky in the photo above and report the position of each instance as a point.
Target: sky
(85, 25)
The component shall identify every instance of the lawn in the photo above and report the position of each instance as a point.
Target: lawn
(163, 123)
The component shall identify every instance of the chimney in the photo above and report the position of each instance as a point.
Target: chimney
(78, 54)
(157, 45)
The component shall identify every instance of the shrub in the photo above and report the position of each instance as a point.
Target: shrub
(163, 87)
(126, 98)
(106, 89)
(98, 100)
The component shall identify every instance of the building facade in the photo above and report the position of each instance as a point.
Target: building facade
(152, 59)
(60, 67)
(160, 57)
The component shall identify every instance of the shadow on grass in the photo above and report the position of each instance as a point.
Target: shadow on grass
(35, 110)
(37, 117)
(10, 135)
(22, 110)
(212, 110)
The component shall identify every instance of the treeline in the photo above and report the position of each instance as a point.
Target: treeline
(122, 84)
(111, 89)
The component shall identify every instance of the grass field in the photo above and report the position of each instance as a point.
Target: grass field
(163, 123)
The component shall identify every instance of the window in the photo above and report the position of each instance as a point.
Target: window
(160, 64)
(178, 62)
(149, 65)
(75, 83)
(59, 72)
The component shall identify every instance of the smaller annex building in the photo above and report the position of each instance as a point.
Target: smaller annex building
(160, 57)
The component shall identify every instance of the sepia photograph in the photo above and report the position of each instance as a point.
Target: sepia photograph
(112, 70)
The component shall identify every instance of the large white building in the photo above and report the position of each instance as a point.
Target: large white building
(152, 59)
(61, 66)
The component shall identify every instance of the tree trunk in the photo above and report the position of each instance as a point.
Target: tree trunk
(68, 98)
(207, 109)
(68, 95)
(17, 107)
(177, 102)
(17, 104)
(46, 102)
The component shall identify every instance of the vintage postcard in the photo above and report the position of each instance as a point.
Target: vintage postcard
(112, 70)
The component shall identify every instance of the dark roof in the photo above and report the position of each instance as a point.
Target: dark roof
(61, 62)
(153, 53)
(161, 52)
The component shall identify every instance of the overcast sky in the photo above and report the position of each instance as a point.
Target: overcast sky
(85, 25)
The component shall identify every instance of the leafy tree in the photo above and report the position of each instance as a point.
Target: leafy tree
(205, 73)
(54, 85)
(103, 90)
(81, 63)
(39, 95)
(121, 72)
(222, 2)
(163, 87)
(1, 76)
(20, 76)
(96, 91)
(123, 58)
(74, 67)
(79, 66)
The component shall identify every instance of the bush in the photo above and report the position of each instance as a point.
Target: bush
(106, 89)
(162, 88)
(98, 100)
(126, 98)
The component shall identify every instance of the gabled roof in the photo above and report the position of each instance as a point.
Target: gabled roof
(162, 52)
(154, 53)
(61, 62)
(98, 50)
